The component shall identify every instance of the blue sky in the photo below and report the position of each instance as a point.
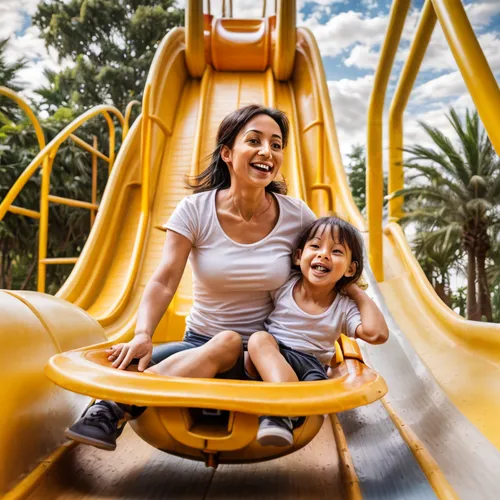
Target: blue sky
(349, 35)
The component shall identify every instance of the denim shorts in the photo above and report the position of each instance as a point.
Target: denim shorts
(306, 366)
(192, 340)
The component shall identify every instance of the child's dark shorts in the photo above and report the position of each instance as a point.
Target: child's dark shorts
(306, 366)
(192, 340)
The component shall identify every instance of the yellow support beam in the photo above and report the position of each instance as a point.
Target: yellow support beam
(472, 63)
(374, 171)
(73, 203)
(24, 211)
(400, 100)
(89, 148)
(60, 260)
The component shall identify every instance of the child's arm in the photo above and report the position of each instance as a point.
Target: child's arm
(373, 328)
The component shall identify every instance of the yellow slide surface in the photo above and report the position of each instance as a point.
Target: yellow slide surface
(125, 247)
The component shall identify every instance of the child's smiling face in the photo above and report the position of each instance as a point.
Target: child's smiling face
(324, 259)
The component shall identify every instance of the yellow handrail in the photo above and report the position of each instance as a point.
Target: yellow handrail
(374, 175)
(46, 157)
(25, 107)
(472, 63)
(128, 112)
(477, 75)
(399, 102)
(148, 120)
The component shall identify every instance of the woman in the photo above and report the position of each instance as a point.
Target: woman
(238, 230)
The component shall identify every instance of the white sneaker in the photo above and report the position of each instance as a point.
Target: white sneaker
(275, 431)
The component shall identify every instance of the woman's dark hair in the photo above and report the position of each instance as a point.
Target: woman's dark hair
(216, 175)
(347, 235)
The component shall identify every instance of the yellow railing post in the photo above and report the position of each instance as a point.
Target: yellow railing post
(48, 161)
(195, 41)
(94, 182)
(398, 105)
(286, 39)
(374, 171)
(128, 112)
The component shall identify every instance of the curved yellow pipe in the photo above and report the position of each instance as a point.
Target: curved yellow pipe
(26, 108)
(374, 171)
(337, 172)
(471, 332)
(50, 150)
(128, 112)
(400, 100)
(472, 63)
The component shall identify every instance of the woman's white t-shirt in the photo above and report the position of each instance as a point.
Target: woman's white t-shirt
(232, 281)
(313, 334)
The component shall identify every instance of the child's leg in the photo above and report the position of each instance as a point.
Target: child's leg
(265, 355)
(272, 367)
(218, 355)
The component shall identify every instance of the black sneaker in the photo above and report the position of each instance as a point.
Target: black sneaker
(275, 431)
(98, 426)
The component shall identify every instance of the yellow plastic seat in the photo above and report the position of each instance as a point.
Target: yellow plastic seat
(177, 423)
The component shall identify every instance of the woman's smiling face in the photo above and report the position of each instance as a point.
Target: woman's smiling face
(257, 153)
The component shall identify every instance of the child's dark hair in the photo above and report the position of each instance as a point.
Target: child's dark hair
(347, 235)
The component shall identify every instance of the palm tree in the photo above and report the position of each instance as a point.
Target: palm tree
(456, 189)
(438, 252)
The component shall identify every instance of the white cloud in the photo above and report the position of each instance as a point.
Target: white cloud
(481, 13)
(445, 86)
(350, 100)
(347, 29)
(362, 57)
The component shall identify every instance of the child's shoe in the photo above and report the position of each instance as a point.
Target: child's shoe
(275, 431)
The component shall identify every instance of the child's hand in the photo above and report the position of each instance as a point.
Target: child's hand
(353, 291)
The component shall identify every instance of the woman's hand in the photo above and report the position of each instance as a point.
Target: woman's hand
(140, 347)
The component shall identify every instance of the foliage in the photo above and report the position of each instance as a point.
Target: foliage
(107, 47)
(356, 173)
(455, 190)
(111, 42)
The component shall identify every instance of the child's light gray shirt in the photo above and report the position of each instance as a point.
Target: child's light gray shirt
(232, 281)
(313, 334)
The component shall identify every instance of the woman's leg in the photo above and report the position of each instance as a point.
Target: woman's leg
(270, 363)
(218, 355)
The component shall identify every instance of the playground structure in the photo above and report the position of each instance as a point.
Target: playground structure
(436, 427)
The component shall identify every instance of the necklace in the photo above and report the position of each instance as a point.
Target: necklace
(255, 214)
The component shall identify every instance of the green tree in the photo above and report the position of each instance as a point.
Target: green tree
(112, 42)
(9, 77)
(438, 253)
(356, 174)
(456, 188)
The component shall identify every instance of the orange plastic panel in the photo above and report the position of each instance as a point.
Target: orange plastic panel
(240, 44)
(88, 371)
(350, 348)
(155, 427)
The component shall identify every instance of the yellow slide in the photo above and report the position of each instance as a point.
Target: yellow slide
(444, 382)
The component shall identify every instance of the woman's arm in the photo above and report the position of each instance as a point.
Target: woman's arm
(157, 296)
(373, 328)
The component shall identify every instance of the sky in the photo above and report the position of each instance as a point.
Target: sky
(349, 34)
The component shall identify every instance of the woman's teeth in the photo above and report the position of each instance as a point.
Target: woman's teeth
(261, 166)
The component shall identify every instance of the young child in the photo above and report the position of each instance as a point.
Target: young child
(312, 309)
